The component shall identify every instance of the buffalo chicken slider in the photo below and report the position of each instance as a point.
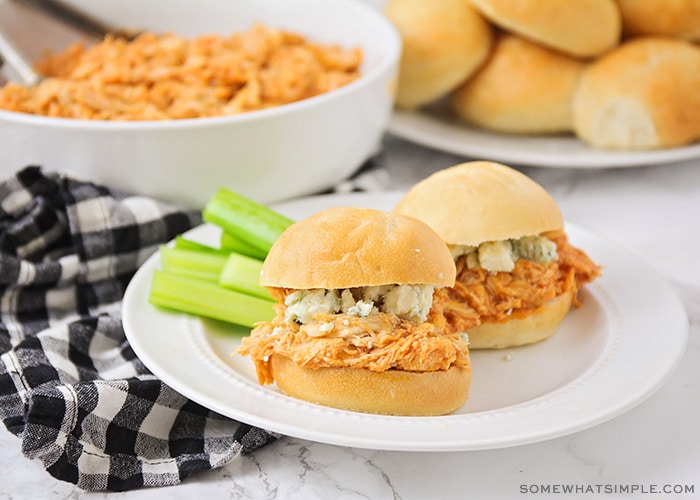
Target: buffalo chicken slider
(517, 273)
(359, 323)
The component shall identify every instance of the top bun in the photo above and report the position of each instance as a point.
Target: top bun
(444, 42)
(581, 28)
(345, 247)
(480, 201)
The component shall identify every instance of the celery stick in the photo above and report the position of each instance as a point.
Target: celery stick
(245, 219)
(232, 244)
(183, 243)
(202, 298)
(233, 271)
(195, 263)
(242, 273)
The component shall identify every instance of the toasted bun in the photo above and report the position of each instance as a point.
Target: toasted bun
(582, 28)
(480, 201)
(392, 392)
(443, 43)
(537, 326)
(679, 18)
(345, 247)
(642, 95)
(522, 88)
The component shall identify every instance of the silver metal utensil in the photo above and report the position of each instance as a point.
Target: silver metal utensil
(18, 63)
(57, 24)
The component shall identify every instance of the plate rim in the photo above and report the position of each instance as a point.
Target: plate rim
(674, 313)
(415, 126)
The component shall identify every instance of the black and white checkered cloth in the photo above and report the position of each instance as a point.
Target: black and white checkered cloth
(71, 388)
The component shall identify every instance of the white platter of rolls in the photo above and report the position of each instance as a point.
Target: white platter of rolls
(581, 83)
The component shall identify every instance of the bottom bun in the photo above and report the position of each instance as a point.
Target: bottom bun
(392, 392)
(539, 325)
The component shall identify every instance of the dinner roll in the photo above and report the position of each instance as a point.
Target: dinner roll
(680, 18)
(582, 28)
(444, 42)
(643, 95)
(522, 88)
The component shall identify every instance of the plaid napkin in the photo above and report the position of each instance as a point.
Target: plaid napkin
(71, 388)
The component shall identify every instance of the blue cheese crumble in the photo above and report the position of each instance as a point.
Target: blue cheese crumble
(502, 255)
(410, 302)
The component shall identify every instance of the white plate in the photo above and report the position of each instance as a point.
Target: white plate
(437, 128)
(608, 356)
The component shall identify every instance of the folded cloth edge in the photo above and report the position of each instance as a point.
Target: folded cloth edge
(70, 386)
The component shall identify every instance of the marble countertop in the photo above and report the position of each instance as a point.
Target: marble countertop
(650, 211)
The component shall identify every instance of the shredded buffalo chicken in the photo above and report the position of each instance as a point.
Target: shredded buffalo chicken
(377, 342)
(480, 295)
(166, 76)
(384, 341)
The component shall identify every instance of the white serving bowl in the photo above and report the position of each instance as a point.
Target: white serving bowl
(267, 155)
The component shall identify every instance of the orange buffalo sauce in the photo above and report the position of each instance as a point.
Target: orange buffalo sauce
(378, 342)
(480, 295)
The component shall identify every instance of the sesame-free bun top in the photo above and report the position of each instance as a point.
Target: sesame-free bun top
(346, 247)
(581, 28)
(479, 201)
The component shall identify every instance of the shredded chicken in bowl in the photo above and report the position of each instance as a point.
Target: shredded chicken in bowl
(163, 77)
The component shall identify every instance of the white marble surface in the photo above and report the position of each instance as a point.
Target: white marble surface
(651, 211)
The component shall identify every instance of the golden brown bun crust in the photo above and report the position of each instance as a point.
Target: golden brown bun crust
(539, 325)
(443, 43)
(581, 28)
(479, 201)
(642, 95)
(679, 18)
(392, 392)
(523, 87)
(345, 247)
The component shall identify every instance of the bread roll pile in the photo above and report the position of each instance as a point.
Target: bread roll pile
(617, 74)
